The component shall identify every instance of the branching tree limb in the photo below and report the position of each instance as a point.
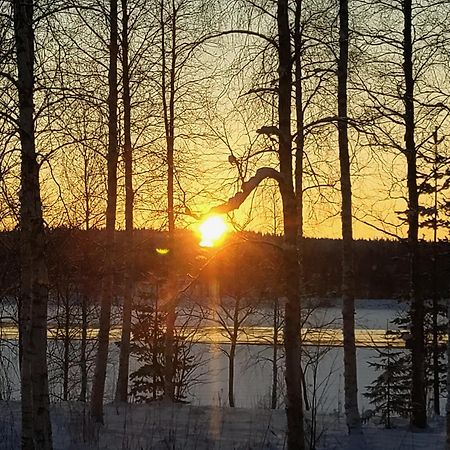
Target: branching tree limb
(236, 201)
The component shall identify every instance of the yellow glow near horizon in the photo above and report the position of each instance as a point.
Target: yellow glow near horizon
(212, 230)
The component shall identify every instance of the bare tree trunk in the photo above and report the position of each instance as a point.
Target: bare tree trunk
(348, 301)
(436, 383)
(231, 361)
(388, 394)
(98, 385)
(435, 306)
(447, 406)
(66, 362)
(155, 346)
(39, 375)
(169, 123)
(276, 316)
(299, 151)
(299, 139)
(83, 362)
(26, 389)
(418, 416)
(36, 426)
(300, 135)
(294, 401)
(124, 358)
(84, 300)
(232, 355)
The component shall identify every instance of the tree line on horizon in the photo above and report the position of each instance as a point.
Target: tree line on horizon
(75, 256)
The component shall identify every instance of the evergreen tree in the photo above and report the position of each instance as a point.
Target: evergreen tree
(435, 350)
(390, 391)
(148, 347)
(435, 184)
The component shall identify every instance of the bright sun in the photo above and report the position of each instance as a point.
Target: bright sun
(212, 230)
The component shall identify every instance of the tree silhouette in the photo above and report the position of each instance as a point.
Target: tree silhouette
(389, 392)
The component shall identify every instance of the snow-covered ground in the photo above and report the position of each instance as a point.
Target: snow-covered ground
(154, 427)
(159, 426)
(379, 438)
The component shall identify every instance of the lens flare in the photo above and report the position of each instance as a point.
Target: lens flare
(212, 230)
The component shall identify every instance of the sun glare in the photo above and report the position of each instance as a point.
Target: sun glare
(212, 231)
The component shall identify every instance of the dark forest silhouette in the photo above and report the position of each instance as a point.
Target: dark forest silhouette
(380, 265)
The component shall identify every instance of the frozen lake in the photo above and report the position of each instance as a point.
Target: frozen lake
(253, 377)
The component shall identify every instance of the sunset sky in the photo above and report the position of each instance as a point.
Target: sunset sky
(218, 109)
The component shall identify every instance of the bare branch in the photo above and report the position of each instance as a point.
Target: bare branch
(236, 201)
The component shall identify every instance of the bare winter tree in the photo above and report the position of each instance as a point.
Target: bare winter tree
(233, 304)
(178, 35)
(404, 111)
(85, 181)
(348, 281)
(62, 359)
(36, 426)
(419, 412)
(168, 70)
(124, 357)
(9, 163)
(294, 406)
(284, 177)
(98, 385)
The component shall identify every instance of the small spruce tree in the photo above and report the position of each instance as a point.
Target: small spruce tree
(148, 347)
(434, 176)
(389, 393)
(434, 368)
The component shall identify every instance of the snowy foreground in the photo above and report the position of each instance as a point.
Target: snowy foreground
(158, 426)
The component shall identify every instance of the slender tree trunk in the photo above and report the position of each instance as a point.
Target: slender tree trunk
(388, 388)
(447, 406)
(299, 151)
(39, 375)
(155, 347)
(299, 140)
(66, 362)
(26, 389)
(300, 134)
(294, 401)
(84, 299)
(83, 361)
(418, 416)
(232, 355)
(36, 426)
(124, 358)
(435, 306)
(348, 301)
(313, 434)
(98, 385)
(169, 122)
(276, 316)
(231, 361)
(21, 325)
